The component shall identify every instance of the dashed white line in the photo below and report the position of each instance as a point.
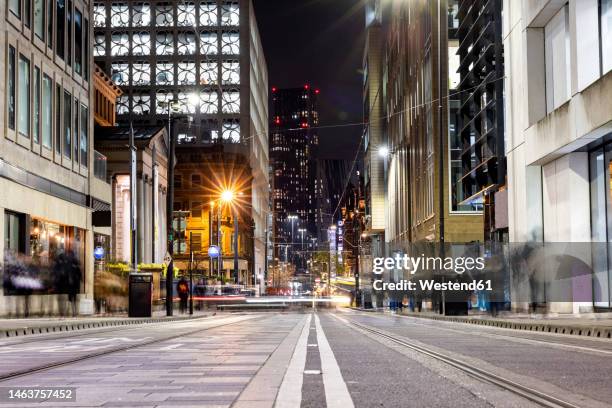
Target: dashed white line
(336, 391)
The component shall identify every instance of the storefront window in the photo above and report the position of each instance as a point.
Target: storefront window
(14, 236)
(48, 240)
(600, 163)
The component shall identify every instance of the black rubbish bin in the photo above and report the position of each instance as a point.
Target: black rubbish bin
(140, 294)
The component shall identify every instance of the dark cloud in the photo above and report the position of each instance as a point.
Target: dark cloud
(319, 42)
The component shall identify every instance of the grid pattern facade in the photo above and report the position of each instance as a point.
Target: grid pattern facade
(481, 120)
(181, 50)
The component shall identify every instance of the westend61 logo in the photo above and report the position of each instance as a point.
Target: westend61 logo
(458, 265)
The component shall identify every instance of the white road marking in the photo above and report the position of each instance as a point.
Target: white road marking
(290, 392)
(171, 347)
(336, 391)
(312, 372)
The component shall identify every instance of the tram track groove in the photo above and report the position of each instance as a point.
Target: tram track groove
(531, 394)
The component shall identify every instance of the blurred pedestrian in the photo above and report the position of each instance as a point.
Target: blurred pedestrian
(182, 287)
(60, 281)
(73, 280)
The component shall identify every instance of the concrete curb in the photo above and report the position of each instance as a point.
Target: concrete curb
(542, 327)
(74, 326)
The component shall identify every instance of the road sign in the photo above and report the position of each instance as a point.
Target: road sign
(99, 253)
(213, 251)
(167, 259)
(318, 280)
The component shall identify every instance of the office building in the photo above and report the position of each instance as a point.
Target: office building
(557, 97)
(293, 147)
(202, 61)
(46, 155)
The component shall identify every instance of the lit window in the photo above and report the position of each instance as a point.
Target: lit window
(123, 105)
(208, 14)
(99, 15)
(231, 131)
(141, 104)
(120, 15)
(230, 73)
(162, 99)
(209, 102)
(141, 74)
(78, 42)
(164, 44)
(188, 102)
(164, 74)
(209, 43)
(84, 136)
(120, 74)
(186, 44)
(141, 15)
(230, 102)
(230, 43)
(186, 73)
(163, 15)
(185, 14)
(209, 73)
(67, 124)
(141, 44)
(99, 48)
(119, 45)
(230, 14)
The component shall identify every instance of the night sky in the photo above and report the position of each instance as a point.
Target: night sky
(319, 42)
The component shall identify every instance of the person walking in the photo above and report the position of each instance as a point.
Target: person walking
(73, 280)
(182, 287)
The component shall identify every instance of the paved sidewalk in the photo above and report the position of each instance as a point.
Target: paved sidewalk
(43, 325)
(591, 325)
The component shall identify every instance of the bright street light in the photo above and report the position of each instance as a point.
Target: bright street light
(227, 196)
(383, 151)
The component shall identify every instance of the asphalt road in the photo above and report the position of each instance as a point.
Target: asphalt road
(290, 360)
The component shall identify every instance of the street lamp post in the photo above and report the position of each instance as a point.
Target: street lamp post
(190, 272)
(210, 235)
(172, 107)
(292, 218)
(302, 257)
(228, 197)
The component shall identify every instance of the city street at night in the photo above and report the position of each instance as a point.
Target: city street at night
(335, 358)
(306, 203)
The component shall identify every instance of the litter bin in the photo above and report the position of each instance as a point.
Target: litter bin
(140, 294)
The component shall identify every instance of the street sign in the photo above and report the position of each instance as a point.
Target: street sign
(99, 253)
(318, 280)
(167, 259)
(213, 251)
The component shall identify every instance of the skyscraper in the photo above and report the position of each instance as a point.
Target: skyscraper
(293, 144)
(205, 57)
